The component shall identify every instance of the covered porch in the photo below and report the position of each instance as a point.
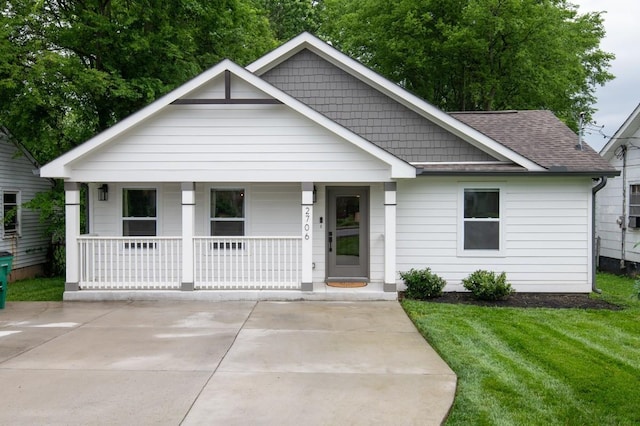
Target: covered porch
(283, 253)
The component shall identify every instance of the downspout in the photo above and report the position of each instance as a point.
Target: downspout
(598, 187)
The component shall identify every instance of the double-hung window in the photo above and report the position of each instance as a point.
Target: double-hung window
(481, 219)
(10, 213)
(227, 215)
(139, 212)
(634, 206)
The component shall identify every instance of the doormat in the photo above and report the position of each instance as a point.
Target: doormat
(347, 284)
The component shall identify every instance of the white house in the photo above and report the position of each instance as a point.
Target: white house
(307, 170)
(21, 233)
(618, 205)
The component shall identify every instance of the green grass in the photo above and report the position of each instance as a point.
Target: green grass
(540, 366)
(36, 290)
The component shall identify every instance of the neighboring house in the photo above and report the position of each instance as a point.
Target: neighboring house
(21, 233)
(307, 168)
(618, 206)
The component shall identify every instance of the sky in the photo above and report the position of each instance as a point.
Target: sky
(618, 98)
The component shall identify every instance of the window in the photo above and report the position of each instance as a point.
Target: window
(481, 221)
(139, 212)
(634, 200)
(10, 213)
(227, 212)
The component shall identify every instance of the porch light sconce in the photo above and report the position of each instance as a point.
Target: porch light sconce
(103, 192)
(315, 194)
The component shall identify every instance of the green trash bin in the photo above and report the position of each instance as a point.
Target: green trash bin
(6, 259)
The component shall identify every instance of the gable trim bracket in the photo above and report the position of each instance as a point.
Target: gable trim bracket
(228, 100)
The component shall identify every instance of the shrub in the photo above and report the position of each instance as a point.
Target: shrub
(422, 284)
(487, 285)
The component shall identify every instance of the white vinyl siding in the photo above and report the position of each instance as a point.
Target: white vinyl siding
(611, 215)
(546, 222)
(230, 143)
(29, 248)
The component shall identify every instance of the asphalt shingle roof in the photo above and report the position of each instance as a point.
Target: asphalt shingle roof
(539, 136)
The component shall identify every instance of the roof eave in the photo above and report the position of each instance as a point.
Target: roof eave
(627, 127)
(592, 174)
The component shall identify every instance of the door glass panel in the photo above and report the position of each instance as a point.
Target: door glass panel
(348, 230)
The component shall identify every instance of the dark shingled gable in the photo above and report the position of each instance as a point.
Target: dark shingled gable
(539, 136)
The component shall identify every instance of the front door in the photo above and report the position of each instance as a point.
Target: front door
(347, 233)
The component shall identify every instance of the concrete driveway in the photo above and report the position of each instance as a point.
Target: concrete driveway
(227, 363)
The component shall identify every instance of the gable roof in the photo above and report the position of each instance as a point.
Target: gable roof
(6, 135)
(630, 126)
(418, 105)
(541, 137)
(58, 167)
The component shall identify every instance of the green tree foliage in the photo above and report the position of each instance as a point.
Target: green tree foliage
(71, 68)
(289, 18)
(465, 55)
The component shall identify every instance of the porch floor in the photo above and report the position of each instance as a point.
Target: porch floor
(321, 292)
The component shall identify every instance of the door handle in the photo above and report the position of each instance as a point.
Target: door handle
(330, 241)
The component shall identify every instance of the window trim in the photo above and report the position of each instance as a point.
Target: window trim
(121, 209)
(630, 205)
(18, 231)
(244, 219)
(465, 186)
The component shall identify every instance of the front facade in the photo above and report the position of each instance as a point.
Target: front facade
(618, 207)
(21, 233)
(307, 171)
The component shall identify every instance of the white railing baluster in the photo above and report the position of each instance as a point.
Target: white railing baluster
(248, 262)
(219, 263)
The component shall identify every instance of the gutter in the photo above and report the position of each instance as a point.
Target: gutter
(595, 189)
(593, 174)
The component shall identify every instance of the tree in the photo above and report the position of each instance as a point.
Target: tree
(289, 18)
(71, 68)
(470, 55)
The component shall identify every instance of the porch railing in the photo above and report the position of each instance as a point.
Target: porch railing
(247, 262)
(130, 263)
(219, 263)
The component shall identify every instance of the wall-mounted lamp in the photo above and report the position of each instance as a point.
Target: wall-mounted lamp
(315, 194)
(103, 192)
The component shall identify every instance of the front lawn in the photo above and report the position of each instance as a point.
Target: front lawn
(531, 366)
(36, 290)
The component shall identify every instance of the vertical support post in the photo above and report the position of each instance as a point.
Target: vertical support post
(188, 229)
(390, 236)
(72, 232)
(307, 236)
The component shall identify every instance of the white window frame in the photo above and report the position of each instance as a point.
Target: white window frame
(156, 218)
(481, 186)
(18, 230)
(631, 205)
(245, 209)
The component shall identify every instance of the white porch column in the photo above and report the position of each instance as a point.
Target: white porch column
(188, 229)
(307, 236)
(72, 232)
(390, 236)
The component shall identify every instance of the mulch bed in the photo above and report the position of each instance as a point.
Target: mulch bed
(530, 300)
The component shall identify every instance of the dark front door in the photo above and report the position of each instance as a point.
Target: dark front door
(347, 232)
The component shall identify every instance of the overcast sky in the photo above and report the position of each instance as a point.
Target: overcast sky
(618, 98)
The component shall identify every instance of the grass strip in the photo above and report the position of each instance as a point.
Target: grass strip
(540, 366)
(36, 290)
